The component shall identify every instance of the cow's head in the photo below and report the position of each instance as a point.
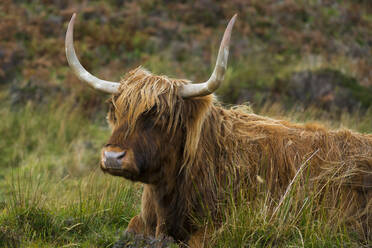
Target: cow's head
(155, 120)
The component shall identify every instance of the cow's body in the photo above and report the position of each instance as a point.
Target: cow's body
(214, 151)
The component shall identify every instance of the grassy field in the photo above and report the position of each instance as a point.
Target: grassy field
(52, 192)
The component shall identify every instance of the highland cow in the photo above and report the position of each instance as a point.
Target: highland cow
(191, 153)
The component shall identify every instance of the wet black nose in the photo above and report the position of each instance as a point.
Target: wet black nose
(112, 160)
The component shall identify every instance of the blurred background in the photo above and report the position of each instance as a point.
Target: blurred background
(298, 53)
(300, 60)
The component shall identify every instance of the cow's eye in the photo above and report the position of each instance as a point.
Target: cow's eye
(149, 114)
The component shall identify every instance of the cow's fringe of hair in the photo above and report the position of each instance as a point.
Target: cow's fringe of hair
(227, 147)
(142, 91)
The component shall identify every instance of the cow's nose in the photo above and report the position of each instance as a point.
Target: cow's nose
(112, 160)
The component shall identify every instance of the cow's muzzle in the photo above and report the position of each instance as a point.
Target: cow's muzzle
(113, 160)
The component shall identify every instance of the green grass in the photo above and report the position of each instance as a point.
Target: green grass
(298, 219)
(52, 192)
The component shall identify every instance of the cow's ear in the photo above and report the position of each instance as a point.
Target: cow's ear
(111, 116)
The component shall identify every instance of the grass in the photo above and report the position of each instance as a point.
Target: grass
(51, 190)
(298, 219)
(53, 194)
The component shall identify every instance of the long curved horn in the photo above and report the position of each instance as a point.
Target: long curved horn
(208, 87)
(79, 70)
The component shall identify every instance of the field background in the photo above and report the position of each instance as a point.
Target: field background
(297, 60)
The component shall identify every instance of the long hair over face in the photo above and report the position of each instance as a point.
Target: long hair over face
(142, 92)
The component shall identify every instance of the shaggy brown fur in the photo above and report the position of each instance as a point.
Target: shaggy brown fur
(193, 153)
